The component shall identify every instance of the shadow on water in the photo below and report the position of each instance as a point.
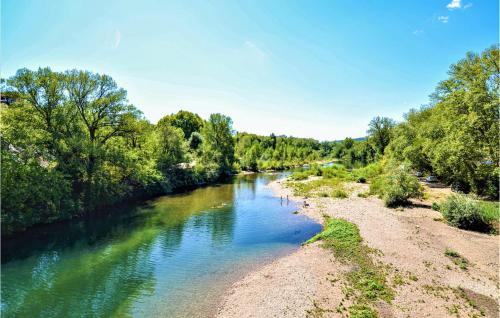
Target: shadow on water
(113, 223)
(126, 261)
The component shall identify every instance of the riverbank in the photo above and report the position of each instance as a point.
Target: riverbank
(411, 245)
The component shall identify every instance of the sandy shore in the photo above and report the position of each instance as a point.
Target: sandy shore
(309, 282)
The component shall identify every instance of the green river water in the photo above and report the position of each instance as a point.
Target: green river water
(170, 257)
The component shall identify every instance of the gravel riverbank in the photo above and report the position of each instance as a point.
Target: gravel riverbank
(411, 244)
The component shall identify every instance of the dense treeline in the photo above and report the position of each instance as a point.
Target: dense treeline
(366, 150)
(278, 152)
(71, 144)
(455, 137)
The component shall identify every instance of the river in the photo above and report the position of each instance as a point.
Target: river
(169, 257)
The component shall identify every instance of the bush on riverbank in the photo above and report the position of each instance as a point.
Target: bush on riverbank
(369, 172)
(466, 213)
(396, 187)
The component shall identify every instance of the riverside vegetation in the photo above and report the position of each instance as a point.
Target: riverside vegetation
(429, 141)
(71, 144)
(455, 138)
(368, 281)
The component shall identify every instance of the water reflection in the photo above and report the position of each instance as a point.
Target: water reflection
(147, 259)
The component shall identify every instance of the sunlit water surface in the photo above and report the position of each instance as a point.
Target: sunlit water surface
(171, 257)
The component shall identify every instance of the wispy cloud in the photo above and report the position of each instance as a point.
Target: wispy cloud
(468, 5)
(118, 39)
(418, 32)
(454, 4)
(443, 18)
(255, 49)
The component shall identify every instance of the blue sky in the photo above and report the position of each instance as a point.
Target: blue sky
(318, 69)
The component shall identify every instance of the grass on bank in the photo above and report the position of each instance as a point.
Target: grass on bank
(457, 259)
(395, 185)
(331, 183)
(367, 279)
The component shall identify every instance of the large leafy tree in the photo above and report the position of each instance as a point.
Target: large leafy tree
(171, 146)
(456, 136)
(219, 143)
(380, 132)
(104, 112)
(70, 138)
(188, 122)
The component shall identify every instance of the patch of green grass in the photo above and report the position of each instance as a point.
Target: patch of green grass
(340, 193)
(360, 311)
(363, 194)
(314, 187)
(317, 311)
(457, 259)
(398, 280)
(367, 279)
(451, 253)
(471, 298)
(490, 210)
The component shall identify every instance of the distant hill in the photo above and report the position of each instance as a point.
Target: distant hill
(355, 139)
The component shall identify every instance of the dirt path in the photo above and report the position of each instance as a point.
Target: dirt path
(309, 282)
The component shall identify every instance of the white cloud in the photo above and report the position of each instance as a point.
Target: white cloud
(118, 39)
(443, 18)
(418, 32)
(454, 4)
(468, 5)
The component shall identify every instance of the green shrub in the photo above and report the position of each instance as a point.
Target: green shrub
(369, 172)
(300, 175)
(377, 185)
(396, 187)
(335, 172)
(490, 210)
(465, 213)
(435, 206)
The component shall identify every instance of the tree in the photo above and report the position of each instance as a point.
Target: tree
(348, 143)
(172, 147)
(188, 122)
(219, 143)
(44, 91)
(456, 136)
(380, 132)
(195, 141)
(105, 114)
(100, 103)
